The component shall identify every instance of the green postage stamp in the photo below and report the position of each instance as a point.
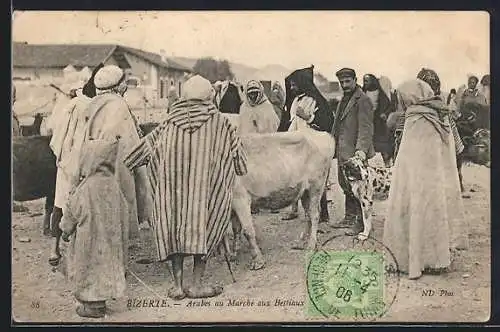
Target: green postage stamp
(345, 284)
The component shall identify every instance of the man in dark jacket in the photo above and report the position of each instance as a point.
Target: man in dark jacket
(353, 133)
(382, 107)
(298, 85)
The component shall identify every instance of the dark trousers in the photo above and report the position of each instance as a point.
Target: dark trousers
(323, 212)
(352, 205)
(55, 219)
(324, 216)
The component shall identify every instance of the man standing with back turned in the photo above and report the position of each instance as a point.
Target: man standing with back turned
(353, 133)
(193, 157)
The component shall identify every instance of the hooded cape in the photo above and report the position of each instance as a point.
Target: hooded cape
(304, 79)
(97, 216)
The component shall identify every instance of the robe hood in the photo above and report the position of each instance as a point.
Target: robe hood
(304, 79)
(98, 156)
(196, 105)
(191, 114)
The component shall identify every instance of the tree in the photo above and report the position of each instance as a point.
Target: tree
(213, 70)
(224, 70)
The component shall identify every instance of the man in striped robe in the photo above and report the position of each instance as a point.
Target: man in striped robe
(193, 158)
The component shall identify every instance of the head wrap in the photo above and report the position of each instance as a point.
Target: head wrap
(414, 92)
(197, 88)
(485, 81)
(375, 82)
(304, 79)
(474, 77)
(108, 77)
(255, 86)
(346, 72)
(430, 77)
(418, 92)
(386, 86)
(277, 94)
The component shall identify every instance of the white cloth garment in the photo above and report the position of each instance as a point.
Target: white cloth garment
(308, 104)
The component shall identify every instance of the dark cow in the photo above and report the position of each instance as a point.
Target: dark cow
(33, 129)
(34, 172)
(473, 126)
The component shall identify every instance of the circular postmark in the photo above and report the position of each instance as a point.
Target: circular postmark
(348, 279)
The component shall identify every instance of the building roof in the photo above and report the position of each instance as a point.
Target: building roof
(156, 59)
(59, 55)
(78, 55)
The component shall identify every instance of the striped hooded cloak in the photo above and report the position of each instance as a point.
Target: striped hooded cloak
(192, 158)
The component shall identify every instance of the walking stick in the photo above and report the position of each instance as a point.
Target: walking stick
(229, 267)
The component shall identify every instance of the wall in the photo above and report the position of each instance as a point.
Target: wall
(34, 74)
(110, 61)
(169, 77)
(139, 67)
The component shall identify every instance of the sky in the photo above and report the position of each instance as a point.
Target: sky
(391, 43)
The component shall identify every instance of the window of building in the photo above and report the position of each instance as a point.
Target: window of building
(18, 78)
(132, 82)
(162, 92)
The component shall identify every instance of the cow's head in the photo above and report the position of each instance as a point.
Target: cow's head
(477, 147)
(473, 116)
(355, 170)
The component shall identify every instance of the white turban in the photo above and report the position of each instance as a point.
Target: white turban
(108, 77)
(197, 88)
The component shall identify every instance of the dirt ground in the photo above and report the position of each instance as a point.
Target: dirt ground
(40, 294)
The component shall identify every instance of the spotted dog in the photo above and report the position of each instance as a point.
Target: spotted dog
(366, 181)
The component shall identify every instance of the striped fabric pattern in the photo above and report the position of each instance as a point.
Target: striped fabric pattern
(193, 158)
(459, 144)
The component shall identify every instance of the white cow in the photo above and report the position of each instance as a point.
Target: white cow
(282, 168)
